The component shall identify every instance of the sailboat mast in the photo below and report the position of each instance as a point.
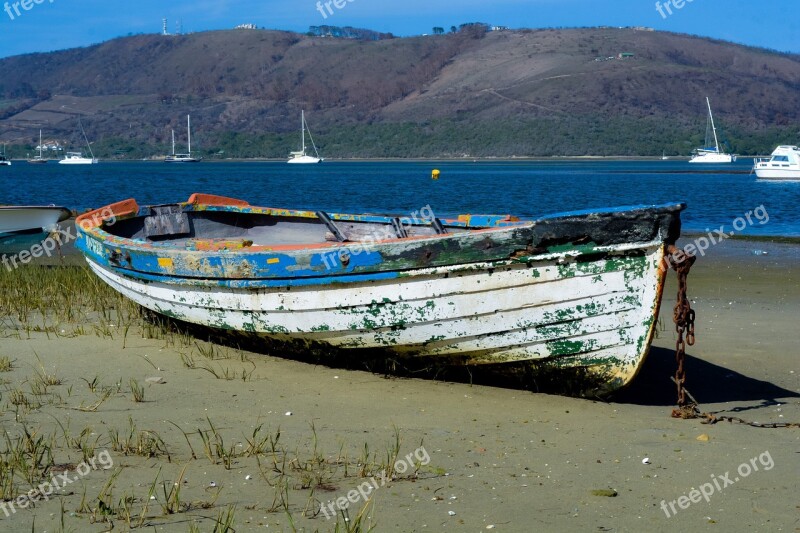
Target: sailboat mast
(303, 129)
(713, 128)
(85, 138)
(173, 142)
(40, 144)
(189, 132)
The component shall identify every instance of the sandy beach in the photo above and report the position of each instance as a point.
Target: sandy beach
(161, 430)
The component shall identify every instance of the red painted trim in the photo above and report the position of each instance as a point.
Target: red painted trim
(95, 218)
(212, 199)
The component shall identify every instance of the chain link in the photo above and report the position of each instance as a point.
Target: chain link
(683, 315)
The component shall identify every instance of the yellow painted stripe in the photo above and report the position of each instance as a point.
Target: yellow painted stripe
(273, 260)
(165, 262)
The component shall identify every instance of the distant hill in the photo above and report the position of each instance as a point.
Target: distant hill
(597, 91)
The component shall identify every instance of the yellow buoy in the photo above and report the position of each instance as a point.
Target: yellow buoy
(435, 174)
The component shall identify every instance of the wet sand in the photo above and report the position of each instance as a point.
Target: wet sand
(499, 459)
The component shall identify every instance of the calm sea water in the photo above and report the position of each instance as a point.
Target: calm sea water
(715, 195)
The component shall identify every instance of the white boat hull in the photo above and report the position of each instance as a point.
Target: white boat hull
(713, 158)
(23, 218)
(78, 161)
(783, 164)
(305, 160)
(556, 309)
(778, 174)
(182, 160)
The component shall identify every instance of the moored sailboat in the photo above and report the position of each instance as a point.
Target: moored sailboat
(187, 157)
(77, 158)
(711, 154)
(301, 157)
(39, 159)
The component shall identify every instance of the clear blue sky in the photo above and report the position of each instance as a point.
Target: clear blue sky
(57, 24)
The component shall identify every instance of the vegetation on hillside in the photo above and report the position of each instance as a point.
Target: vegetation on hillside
(469, 92)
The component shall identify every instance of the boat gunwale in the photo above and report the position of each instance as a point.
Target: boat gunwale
(235, 262)
(92, 222)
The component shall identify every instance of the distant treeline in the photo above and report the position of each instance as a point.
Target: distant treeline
(587, 136)
(348, 32)
(362, 34)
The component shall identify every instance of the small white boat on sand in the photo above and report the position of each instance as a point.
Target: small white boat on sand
(784, 164)
(14, 218)
(574, 294)
(22, 227)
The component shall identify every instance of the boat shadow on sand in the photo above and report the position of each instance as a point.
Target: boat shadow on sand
(711, 383)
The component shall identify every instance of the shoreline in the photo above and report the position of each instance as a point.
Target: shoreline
(469, 159)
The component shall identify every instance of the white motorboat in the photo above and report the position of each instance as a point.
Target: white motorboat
(783, 164)
(711, 154)
(187, 157)
(3, 161)
(301, 157)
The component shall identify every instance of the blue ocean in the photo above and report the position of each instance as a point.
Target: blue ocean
(715, 195)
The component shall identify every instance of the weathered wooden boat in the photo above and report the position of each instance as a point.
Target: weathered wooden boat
(571, 291)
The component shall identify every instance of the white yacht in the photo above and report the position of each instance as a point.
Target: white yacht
(301, 157)
(3, 161)
(77, 158)
(784, 164)
(187, 157)
(711, 154)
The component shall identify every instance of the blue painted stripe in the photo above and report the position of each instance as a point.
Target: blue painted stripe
(321, 281)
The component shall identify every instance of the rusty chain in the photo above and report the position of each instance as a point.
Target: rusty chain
(683, 316)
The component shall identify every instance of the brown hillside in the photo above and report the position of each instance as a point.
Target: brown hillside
(254, 81)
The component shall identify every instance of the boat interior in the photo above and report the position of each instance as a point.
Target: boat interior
(184, 224)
